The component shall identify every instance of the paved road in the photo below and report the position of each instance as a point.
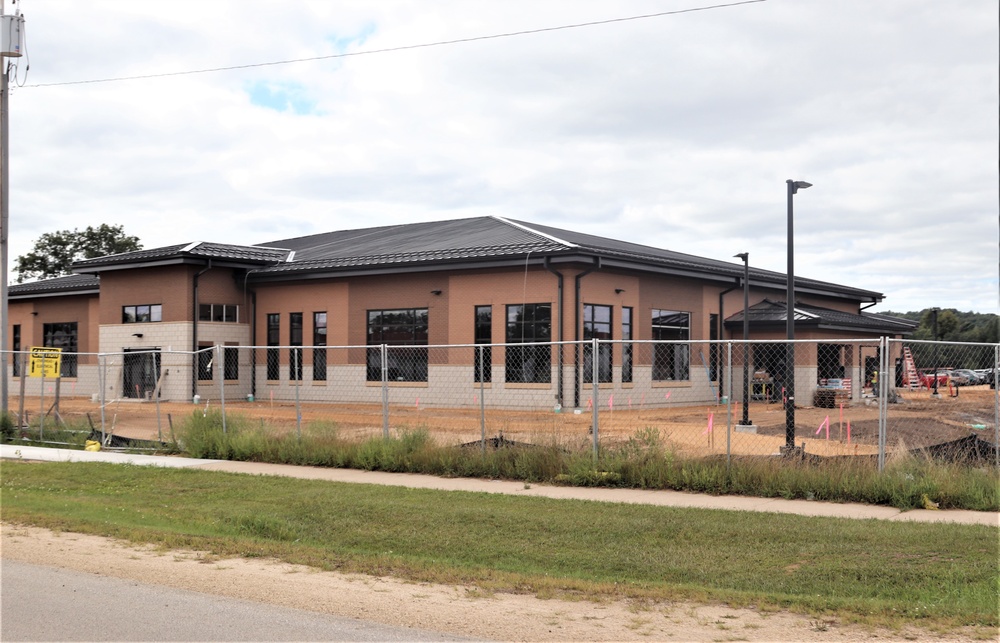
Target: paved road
(49, 604)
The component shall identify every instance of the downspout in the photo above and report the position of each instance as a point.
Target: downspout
(722, 329)
(253, 341)
(559, 308)
(194, 329)
(576, 332)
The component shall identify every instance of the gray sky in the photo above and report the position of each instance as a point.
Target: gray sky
(676, 131)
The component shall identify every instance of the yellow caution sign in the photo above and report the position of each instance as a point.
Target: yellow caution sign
(49, 359)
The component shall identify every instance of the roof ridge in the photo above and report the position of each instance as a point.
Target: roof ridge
(521, 226)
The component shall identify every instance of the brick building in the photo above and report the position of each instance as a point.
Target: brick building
(331, 301)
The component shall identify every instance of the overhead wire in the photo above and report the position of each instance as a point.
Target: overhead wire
(440, 43)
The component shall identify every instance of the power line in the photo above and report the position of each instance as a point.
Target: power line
(400, 48)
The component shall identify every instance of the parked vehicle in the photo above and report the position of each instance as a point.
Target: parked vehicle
(964, 377)
(989, 375)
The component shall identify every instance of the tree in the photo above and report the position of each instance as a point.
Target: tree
(55, 252)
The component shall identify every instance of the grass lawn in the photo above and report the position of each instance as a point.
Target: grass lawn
(936, 575)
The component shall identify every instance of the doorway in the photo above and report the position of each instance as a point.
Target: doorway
(140, 372)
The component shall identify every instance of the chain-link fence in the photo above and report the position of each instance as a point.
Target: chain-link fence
(871, 398)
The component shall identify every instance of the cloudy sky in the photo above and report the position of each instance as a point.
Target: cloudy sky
(676, 131)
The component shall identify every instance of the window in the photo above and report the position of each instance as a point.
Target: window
(626, 346)
(206, 359)
(484, 337)
(671, 362)
(402, 331)
(62, 335)
(597, 325)
(16, 346)
(273, 334)
(295, 340)
(219, 313)
(142, 314)
(528, 323)
(231, 363)
(319, 354)
(714, 352)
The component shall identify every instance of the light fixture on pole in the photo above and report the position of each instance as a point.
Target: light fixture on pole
(793, 188)
(745, 256)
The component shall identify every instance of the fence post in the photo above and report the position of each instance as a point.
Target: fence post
(102, 380)
(482, 402)
(883, 386)
(41, 407)
(729, 398)
(220, 368)
(384, 356)
(24, 380)
(297, 383)
(595, 344)
(996, 406)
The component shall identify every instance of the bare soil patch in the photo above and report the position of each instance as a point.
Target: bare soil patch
(915, 420)
(463, 610)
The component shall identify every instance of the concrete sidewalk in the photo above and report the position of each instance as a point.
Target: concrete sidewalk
(635, 496)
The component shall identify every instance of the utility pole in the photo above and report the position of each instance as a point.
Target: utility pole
(11, 29)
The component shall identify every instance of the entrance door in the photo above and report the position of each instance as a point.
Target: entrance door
(140, 372)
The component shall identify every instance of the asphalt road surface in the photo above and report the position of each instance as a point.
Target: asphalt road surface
(39, 603)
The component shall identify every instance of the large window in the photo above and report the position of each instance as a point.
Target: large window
(319, 339)
(528, 323)
(62, 335)
(295, 341)
(671, 362)
(219, 313)
(626, 345)
(404, 331)
(142, 314)
(273, 339)
(484, 337)
(597, 325)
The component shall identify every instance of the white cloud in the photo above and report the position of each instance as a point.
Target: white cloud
(676, 131)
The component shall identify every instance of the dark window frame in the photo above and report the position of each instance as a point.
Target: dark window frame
(627, 352)
(483, 338)
(273, 329)
(528, 323)
(595, 326)
(404, 331)
(64, 335)
(671, 361)
(142, 314)
(319, 340)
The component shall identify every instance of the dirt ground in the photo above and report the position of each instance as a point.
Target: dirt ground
(461, 610)
(915, 420)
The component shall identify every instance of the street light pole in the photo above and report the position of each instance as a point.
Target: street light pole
(793, 187)
(745, 256)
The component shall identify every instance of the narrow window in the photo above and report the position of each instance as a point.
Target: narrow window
(627, 345)
(231, 367)
(295, 341)
(206, 362)
(671, 361)
(273, 339)
(16, 346)
(528, 323)
(597, 325)
(483, 338)
(319, 340)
